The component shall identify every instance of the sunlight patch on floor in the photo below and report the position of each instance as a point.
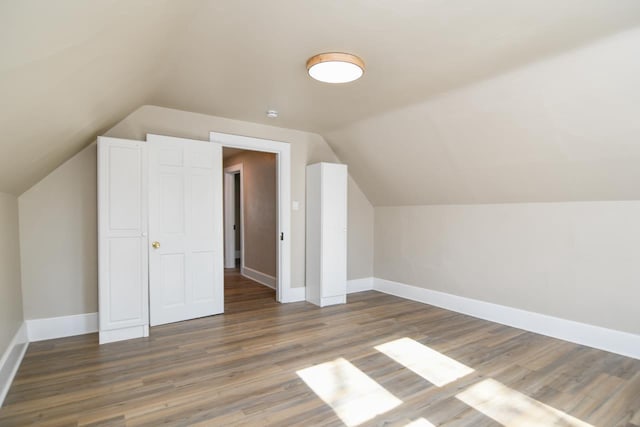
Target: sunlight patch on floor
(430, 364)
(512, 408)
(353, 395)
(420, 422)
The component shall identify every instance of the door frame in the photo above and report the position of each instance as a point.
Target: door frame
(282, 150)
(230, 189)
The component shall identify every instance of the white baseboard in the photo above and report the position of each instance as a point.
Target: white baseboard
(11, 359)
(122, 334)
(258, 276)
(294, 295)
(59, 327)
(619, 342)
(359, 285)
(290, 295)
(327, 301)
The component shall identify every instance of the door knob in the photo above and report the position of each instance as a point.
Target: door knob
(155, 245)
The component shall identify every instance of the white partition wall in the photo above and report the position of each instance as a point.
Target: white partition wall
(122, 240)
(326, 234)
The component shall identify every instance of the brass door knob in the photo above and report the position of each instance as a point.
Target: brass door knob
(155, 245)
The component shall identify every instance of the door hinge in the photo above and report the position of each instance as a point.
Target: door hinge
(234, 226)
(282, 236)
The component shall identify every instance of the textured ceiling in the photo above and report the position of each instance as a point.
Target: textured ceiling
(71, 69)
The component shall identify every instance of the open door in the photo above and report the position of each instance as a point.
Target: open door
(122, 240)
(186, 276)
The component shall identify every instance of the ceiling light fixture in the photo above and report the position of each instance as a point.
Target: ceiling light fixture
(272, 114)
(335, 67)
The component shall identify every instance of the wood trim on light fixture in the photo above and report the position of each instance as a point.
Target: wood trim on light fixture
(335, 57)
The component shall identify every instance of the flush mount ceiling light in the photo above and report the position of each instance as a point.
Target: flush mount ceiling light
(335, 67)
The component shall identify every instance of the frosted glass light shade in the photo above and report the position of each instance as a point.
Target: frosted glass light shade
(335, 67)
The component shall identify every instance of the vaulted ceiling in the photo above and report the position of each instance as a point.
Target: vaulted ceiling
(462, 101)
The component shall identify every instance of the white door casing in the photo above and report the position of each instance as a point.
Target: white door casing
(122, 240)
(185, 217)
(284, 291)
(230, 189)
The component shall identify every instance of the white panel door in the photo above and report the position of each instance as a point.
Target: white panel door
(185, 229)
(122, 241)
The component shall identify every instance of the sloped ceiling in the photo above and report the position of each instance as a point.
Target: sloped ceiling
(69, 70)
(563, 129)
(409, 129)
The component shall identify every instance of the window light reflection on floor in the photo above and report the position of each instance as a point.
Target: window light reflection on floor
(431, 365)
(353, 395)
(420, 422)
(512, 408)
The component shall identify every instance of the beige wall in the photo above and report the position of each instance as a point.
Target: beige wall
(60, 275)
(259, 203)
(360, 233)
(10, 294)
(58, 240)
(577, 261)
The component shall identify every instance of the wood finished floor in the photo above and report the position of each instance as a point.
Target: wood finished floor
(240, 368)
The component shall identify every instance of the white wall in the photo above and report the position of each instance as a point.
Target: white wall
(58, 215)
(58, 240)
(10, 293)
(576, 260)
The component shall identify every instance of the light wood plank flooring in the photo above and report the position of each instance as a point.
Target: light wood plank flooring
(240, 369)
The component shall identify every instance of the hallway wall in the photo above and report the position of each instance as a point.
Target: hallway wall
(259, 199)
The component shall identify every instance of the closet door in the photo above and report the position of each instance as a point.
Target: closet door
(122, 241)
(185, 229)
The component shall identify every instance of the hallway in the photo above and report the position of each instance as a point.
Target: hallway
(242, 294)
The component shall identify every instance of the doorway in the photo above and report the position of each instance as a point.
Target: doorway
(160, 230)
(250, 206)
(281, 150)
(233, 214)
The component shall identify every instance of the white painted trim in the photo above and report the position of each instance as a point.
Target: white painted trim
(11, 360)
(326, 301)
(230, 214)
(296, 294)
(619, 342)
(64, 326)
(113, 335)
(258, 276)
(359, 285)
(284, 291)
